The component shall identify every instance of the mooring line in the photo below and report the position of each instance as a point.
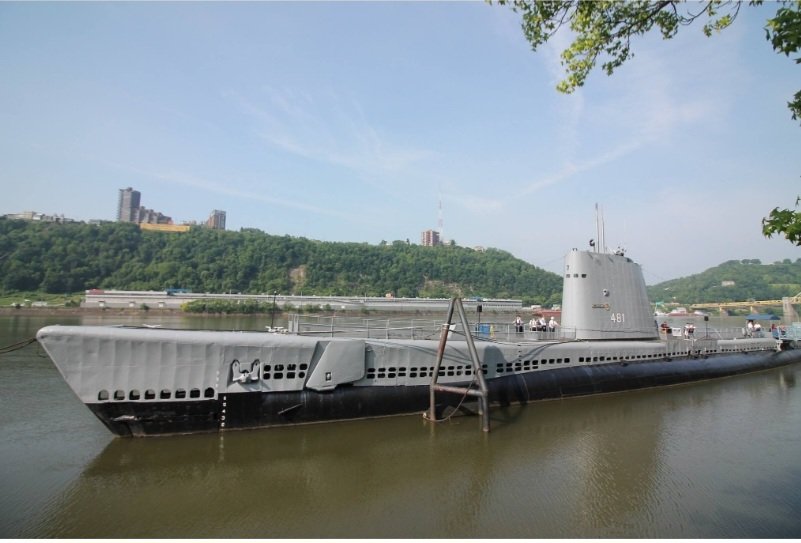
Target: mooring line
(17, 346)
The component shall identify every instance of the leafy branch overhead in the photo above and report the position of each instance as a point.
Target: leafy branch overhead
(608, 27)
(784, 221)
(603, 32)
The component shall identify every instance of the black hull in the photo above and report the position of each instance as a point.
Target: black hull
(265, 409)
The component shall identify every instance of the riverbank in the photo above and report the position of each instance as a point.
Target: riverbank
(51, 311)
(95, 311)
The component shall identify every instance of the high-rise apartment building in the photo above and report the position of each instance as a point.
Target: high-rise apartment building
(148, 216)
(430, 238)
(128, 205)
(216, 220)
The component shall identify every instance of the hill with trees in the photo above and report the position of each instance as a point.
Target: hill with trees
(73, 257)
(733, 281)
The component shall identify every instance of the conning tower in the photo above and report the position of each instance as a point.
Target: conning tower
(604, 297)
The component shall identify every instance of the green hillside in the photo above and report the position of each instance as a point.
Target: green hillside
(73, 257)
(733, 281)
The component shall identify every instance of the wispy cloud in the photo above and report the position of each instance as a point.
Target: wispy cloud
(482, 205)
(642, 109)
(572, 168)
(329, 128)
(227, 189)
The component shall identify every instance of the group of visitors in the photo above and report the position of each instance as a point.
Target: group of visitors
(687, 332)
(753, 329)
(778, 332)
(537, 324)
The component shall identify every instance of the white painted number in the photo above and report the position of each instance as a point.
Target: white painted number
(619, 317)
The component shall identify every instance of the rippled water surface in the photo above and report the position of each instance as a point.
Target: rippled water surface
(714, 459)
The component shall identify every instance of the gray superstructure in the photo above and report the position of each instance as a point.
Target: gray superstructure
(604, 297)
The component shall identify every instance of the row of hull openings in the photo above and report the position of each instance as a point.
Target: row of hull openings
(740, 350)
(281, 371)
(293, 371)
(456, 371)
(165, 394)
(671, 354)
(290, 371)
(510, 367)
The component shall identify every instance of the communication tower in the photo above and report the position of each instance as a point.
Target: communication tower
(440, 224)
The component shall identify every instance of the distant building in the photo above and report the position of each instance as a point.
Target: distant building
(128, 205)
(727, 283)
(216, 220)
(148, 216)
(35, 216)
(430, 238)
(130, 210)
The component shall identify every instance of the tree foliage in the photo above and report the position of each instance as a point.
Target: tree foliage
(603, 31)
(784, 33)
(733, 281)
(72, 257)
(784, 221)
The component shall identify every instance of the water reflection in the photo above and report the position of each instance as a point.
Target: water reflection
(786, 378)
(577, 468)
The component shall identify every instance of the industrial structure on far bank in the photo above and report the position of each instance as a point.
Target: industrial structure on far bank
(175, 298)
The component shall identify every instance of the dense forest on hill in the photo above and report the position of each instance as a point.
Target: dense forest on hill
(733, 281)
(73, 257)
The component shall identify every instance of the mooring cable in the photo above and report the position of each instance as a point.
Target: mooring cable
(17, 346)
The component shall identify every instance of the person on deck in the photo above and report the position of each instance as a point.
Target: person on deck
(542, 325)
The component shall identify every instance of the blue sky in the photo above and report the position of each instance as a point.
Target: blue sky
(352, 121)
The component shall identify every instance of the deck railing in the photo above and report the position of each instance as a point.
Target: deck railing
(411, 328)
(415, 328)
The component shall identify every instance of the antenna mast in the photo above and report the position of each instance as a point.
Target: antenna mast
(600, 247)
(439, 220)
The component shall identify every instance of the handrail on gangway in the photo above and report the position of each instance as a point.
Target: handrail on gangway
(483, 392)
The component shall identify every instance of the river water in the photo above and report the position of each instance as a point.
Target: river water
(720, 459)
